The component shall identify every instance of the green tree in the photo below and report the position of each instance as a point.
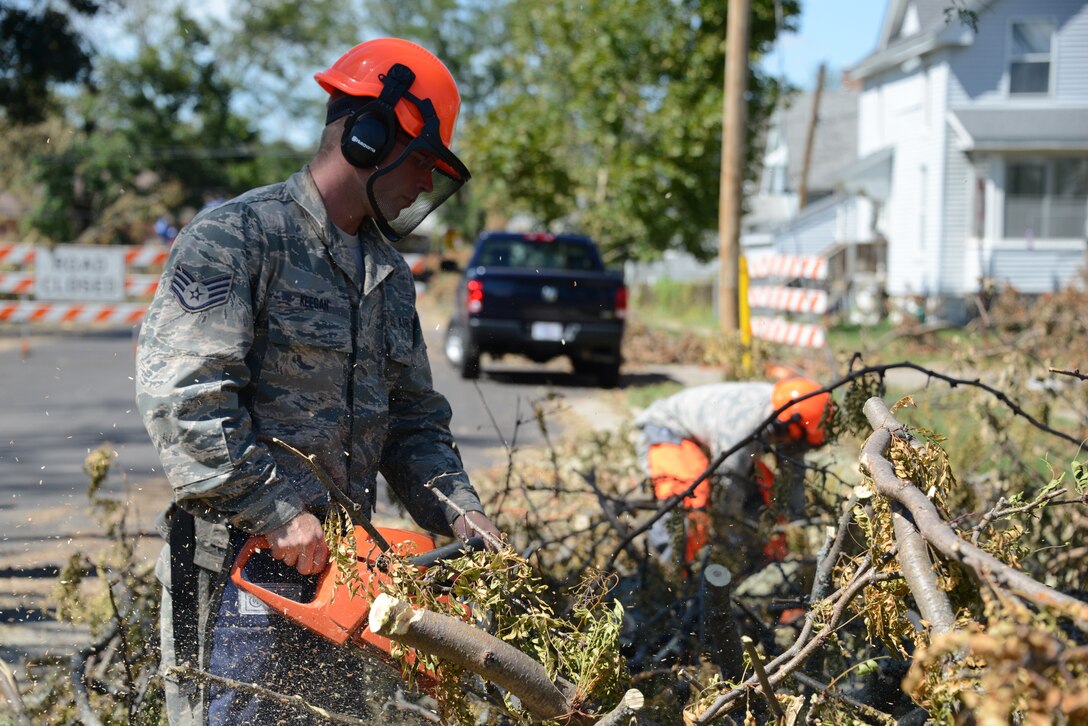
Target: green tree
(39, 49)
(155, 136)
(608, 120)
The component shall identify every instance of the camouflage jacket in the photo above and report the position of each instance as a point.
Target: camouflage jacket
(260, 330)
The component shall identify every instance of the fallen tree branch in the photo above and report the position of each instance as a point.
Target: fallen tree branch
(471, 648)
(492, 541)
(355, 510)
(940, 535)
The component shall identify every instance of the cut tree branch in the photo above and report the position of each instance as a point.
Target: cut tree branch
(471, 648)
(940, 535)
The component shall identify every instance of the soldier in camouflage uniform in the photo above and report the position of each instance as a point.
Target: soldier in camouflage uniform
(681, 434)
(284, 315)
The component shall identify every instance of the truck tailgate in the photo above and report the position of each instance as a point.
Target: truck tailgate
(542, 296)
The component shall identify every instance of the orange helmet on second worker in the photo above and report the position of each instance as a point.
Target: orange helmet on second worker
(360, 72)
(805, 419)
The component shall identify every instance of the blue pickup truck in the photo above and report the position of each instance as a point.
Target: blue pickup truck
(541, 296)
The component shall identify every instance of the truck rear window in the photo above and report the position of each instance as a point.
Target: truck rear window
(534, 255)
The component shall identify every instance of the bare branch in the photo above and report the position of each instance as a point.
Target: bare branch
(918, 571)
(492, 541)
(1074, 373)
(354, 509)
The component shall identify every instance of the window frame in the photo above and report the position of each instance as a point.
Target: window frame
(1011, 58)
(1047, 199)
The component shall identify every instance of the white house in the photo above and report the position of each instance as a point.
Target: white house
(973, 145)
(972, 157)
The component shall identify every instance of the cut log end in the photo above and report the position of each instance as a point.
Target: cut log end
(390, 616)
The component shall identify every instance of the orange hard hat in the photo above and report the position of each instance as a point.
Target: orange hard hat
(361, 70)
(804, 420)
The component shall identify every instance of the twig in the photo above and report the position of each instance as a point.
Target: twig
(606, 507)
(122, 633)
(761, 674)
(354, 509)
(1074, 373)
(77, 667)
(827, 690)
(825, 560)
(261, 692)
(999, 511)
(495, 543)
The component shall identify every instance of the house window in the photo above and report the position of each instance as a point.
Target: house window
(1046, 198)
(1030, 57)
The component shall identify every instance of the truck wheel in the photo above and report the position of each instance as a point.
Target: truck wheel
(462, 353)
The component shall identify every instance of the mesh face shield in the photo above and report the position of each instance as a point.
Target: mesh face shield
(415, 183)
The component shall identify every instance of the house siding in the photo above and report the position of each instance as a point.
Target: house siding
(1036, 271)
(958, 193)
(980, 71)
(905, 110)
(813, 233)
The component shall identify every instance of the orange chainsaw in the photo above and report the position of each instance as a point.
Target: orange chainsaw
(334, 613)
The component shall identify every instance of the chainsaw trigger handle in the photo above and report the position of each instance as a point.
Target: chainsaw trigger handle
(448, 552)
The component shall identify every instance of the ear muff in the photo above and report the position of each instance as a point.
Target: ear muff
(371, 129)
(369, 135)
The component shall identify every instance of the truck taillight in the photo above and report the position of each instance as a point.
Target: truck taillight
(621, 303)
(476, 296)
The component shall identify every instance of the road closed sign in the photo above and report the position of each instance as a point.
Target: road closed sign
(79, 272)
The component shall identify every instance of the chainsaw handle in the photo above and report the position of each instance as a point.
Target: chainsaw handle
(254, 544)
(448, 552)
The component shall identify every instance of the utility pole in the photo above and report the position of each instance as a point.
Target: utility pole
(810, 138)
(734, 124)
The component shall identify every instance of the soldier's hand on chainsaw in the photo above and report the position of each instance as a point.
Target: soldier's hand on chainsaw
(476, 523)
(300, 544)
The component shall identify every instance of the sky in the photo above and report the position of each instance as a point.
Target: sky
(838, 32)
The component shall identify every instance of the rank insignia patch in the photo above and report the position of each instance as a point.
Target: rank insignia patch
(199, 295)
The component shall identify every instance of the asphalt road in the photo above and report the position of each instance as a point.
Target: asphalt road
(74, 393)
